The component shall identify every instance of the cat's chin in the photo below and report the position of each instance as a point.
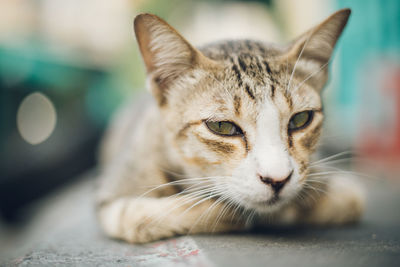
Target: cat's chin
(271, 205)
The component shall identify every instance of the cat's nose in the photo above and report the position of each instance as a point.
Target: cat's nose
(276, 183)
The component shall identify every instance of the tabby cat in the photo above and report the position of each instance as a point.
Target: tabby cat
(225, 142)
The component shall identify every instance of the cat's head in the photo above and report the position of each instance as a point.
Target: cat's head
(244, 112)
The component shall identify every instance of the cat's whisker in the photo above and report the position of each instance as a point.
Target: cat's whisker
(208, 211)
(220, 200)
(358, 174)
(250, 217)
(227, 207)
(301, 198)
(192, 191)
(180, 182)
(327, 163)
(297, 61)
(316, 192)
(321, 181)
(347, 152)
(202, 200)
(353, 159)
(187, 181)
(166, 170)
(310, 76)
(198, 197)
(315, 188)
(216, 196)
(236, 209)
(335, 169)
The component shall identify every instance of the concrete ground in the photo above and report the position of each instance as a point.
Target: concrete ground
(65, 233)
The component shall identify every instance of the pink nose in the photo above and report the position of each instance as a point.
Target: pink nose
(276, 184)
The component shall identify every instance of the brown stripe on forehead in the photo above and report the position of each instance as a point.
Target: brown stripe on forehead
(267, 68)
(238, 75)
(242, 65)
(251, 95)
(258, 63)
(237, 103)
(217, 146)
(272, 91)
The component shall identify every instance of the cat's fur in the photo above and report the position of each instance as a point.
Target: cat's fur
(215, 181)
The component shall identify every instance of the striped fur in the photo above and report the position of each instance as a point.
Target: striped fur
(215, 181)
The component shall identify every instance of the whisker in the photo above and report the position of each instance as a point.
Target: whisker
(338, 172)
(298, 59)
(311, 75)
(188, 181)
(335, 161)
(223, 212)
(208, 211)
(348, 152)
(323, 182)
(198, 197)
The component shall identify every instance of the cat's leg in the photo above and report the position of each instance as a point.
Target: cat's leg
(339, 200)
(342, 203)
(140, 220)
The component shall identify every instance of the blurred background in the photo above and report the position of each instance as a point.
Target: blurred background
(66, 66)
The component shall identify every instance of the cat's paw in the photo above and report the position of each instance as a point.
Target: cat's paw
(128, 220)
(145, 232)
(141, 221)
(343, 203)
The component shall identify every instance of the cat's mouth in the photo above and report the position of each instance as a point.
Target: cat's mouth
(275, 200)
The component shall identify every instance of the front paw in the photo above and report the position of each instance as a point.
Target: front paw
(144, 224)
(134, 221)
(343, 203)
(145, 232)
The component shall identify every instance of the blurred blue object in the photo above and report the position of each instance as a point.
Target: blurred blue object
(371, 37)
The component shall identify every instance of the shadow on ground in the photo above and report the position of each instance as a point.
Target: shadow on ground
(65, 233)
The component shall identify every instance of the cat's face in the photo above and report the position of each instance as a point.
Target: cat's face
(246, 113)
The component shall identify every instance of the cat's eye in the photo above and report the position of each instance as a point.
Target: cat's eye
(301, 120)
(224, 128)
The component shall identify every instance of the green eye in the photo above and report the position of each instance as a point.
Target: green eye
(224, 128)
(301, 120)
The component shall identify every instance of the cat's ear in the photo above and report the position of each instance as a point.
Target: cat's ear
(166, 54)
(312, 50)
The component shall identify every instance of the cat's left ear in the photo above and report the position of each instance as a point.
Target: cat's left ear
(166, 54)
(311, 51)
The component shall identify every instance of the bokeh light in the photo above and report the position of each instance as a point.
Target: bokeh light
(36, 118)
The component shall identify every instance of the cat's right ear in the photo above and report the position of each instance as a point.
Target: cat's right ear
(312, 50)
(166, 54)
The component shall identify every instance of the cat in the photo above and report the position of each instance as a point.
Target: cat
(224, 144)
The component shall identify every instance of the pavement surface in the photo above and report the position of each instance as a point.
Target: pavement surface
(65, 233)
